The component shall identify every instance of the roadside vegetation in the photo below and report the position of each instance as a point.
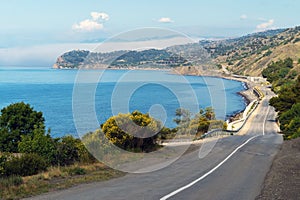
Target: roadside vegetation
(285, 83)
(33, 162)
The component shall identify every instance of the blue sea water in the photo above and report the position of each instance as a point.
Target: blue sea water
(51, 91)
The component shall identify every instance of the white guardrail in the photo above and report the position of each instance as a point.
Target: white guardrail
(231, 129)
(239, 123)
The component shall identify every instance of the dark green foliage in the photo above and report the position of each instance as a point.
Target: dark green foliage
(73, 59)
(67, 151)
(290, 122)
(22, 130)
(288, 96)
(40, 144)
(151, 57)
(288, 105)
(61, 151)
(276, 72)
(4, 157)
(7, 141)
(288, 63)
(292, 75)
(70, 150)
(24, 165)
(166, 133)
(16, 120)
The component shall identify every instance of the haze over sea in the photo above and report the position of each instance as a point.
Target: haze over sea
(50, 91)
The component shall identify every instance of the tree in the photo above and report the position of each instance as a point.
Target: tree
(40, 143)
(182, 116)
(209, 113)
(16, 120)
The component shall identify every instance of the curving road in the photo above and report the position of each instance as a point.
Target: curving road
(234, 169)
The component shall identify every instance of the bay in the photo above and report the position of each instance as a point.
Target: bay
(51, 91)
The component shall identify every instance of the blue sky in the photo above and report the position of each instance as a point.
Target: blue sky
(29, 22)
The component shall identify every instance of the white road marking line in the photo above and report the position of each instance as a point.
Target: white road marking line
(265, 120)
(216, 167)
(208, 173)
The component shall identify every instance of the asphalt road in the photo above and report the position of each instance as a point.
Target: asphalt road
(229, 171)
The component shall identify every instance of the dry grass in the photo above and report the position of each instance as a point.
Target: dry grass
(56, 178)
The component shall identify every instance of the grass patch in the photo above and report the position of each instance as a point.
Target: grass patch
(10, 181)
(55, 178)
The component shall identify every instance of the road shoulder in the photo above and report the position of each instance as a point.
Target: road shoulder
(283, 179)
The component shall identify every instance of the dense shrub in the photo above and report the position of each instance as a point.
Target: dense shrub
(4, 157)
(277, 71)
(24, 165)
(71, 150)
(287, 103)
(40, 144)
(120, 131)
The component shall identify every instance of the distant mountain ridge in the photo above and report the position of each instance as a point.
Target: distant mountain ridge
(120, 59)
(247, 55)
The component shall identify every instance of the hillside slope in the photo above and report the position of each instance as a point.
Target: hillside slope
(249, 55)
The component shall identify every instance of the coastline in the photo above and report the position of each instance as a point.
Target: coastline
(246, 94)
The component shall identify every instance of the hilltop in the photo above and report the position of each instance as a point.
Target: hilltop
(121, 59)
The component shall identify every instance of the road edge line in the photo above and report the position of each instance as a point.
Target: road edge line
(209, 172)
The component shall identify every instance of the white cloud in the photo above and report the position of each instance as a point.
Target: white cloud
(243, 17)
(99, 16)
(95, 23)
(87, 25)
(266, 25)
(165, 20)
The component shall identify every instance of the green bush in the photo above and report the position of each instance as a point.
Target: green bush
(25, 165)
(11, 181)
(114, 128)
(40, 143)
(4, 157)
(68, 151)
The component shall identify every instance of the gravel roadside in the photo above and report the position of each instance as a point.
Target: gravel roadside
(283, 179)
